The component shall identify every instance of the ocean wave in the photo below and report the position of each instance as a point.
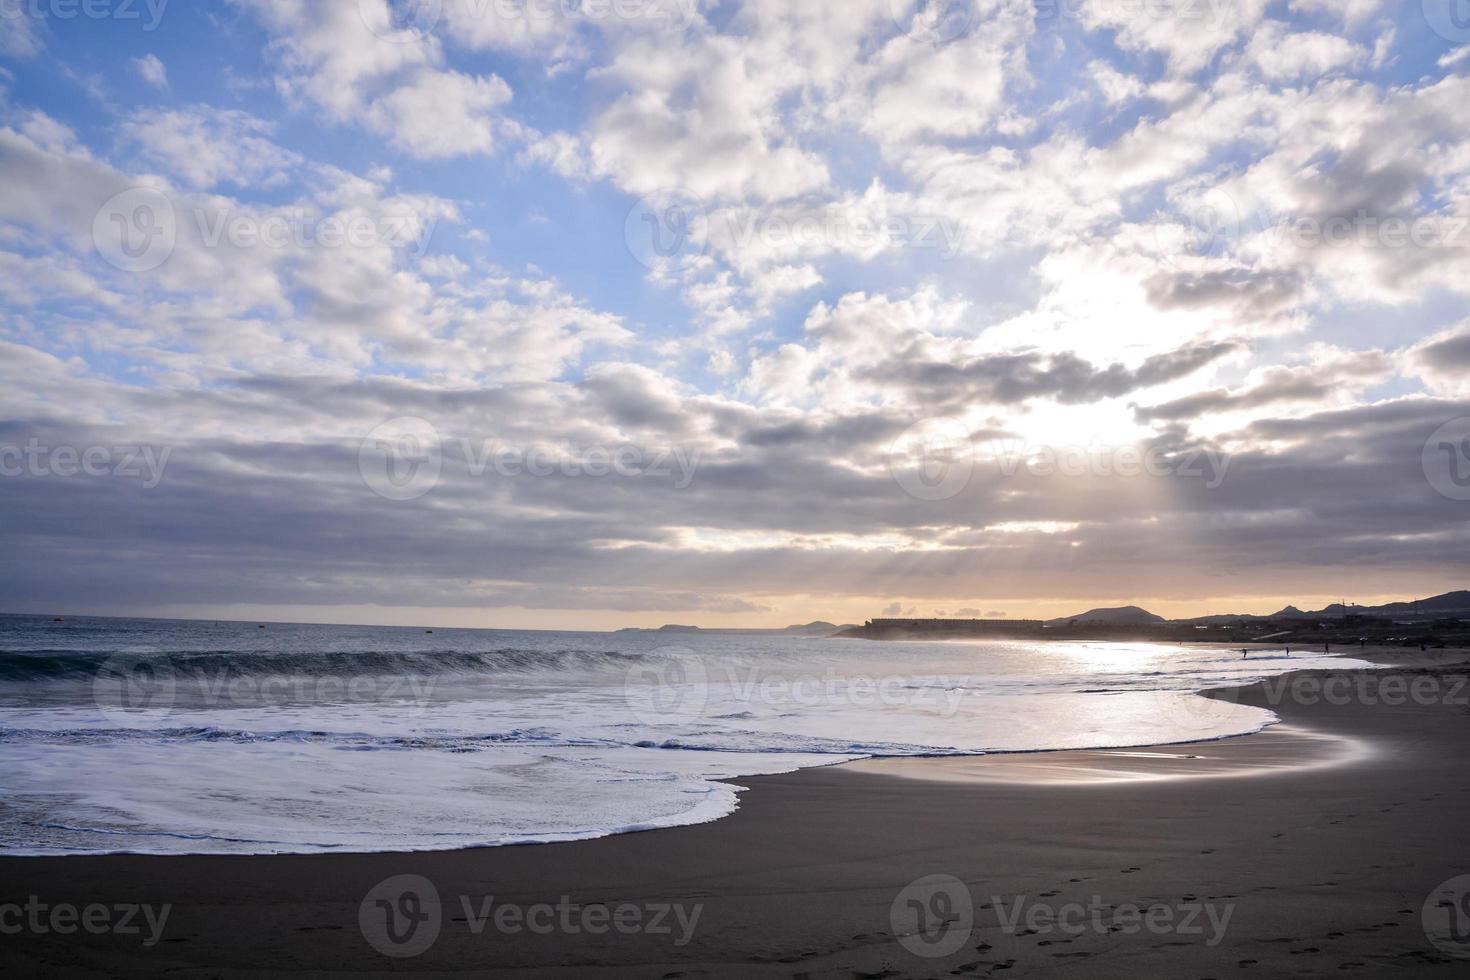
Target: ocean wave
(64, 665)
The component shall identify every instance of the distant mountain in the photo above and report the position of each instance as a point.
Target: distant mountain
(1440, 605)
(1126, 615)
(818, 628)
(1451, 604)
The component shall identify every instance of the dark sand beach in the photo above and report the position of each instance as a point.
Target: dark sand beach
(1309, 850)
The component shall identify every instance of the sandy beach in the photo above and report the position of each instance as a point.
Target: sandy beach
(1309, 849)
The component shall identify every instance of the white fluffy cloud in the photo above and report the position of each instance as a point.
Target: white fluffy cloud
(205, 147)
(1060, 231)
(358, 64)
(151, 70)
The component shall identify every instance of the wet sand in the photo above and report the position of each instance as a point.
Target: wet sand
(1310, 849)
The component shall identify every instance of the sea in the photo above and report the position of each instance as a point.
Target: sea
(188, 737)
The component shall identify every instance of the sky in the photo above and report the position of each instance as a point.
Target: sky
(595, 313)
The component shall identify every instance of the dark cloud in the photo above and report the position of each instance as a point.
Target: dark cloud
(1248, 293)
(1447, 354)
(1277, 385)
(1009, 379)
(1338, 496)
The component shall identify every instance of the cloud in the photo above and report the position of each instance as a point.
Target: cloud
(1333, 378)
(1444, 360)
(151, 70)
(1188, 34)
(206, 147)
(441, 114)
(360, 66)
(20, 39)
(1121, 257)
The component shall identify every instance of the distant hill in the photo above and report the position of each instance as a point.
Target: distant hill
(1449, 605)
(1127, 615)
(818, 628)
(1441, 605)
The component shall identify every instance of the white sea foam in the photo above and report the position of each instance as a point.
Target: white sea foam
(177, 738)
